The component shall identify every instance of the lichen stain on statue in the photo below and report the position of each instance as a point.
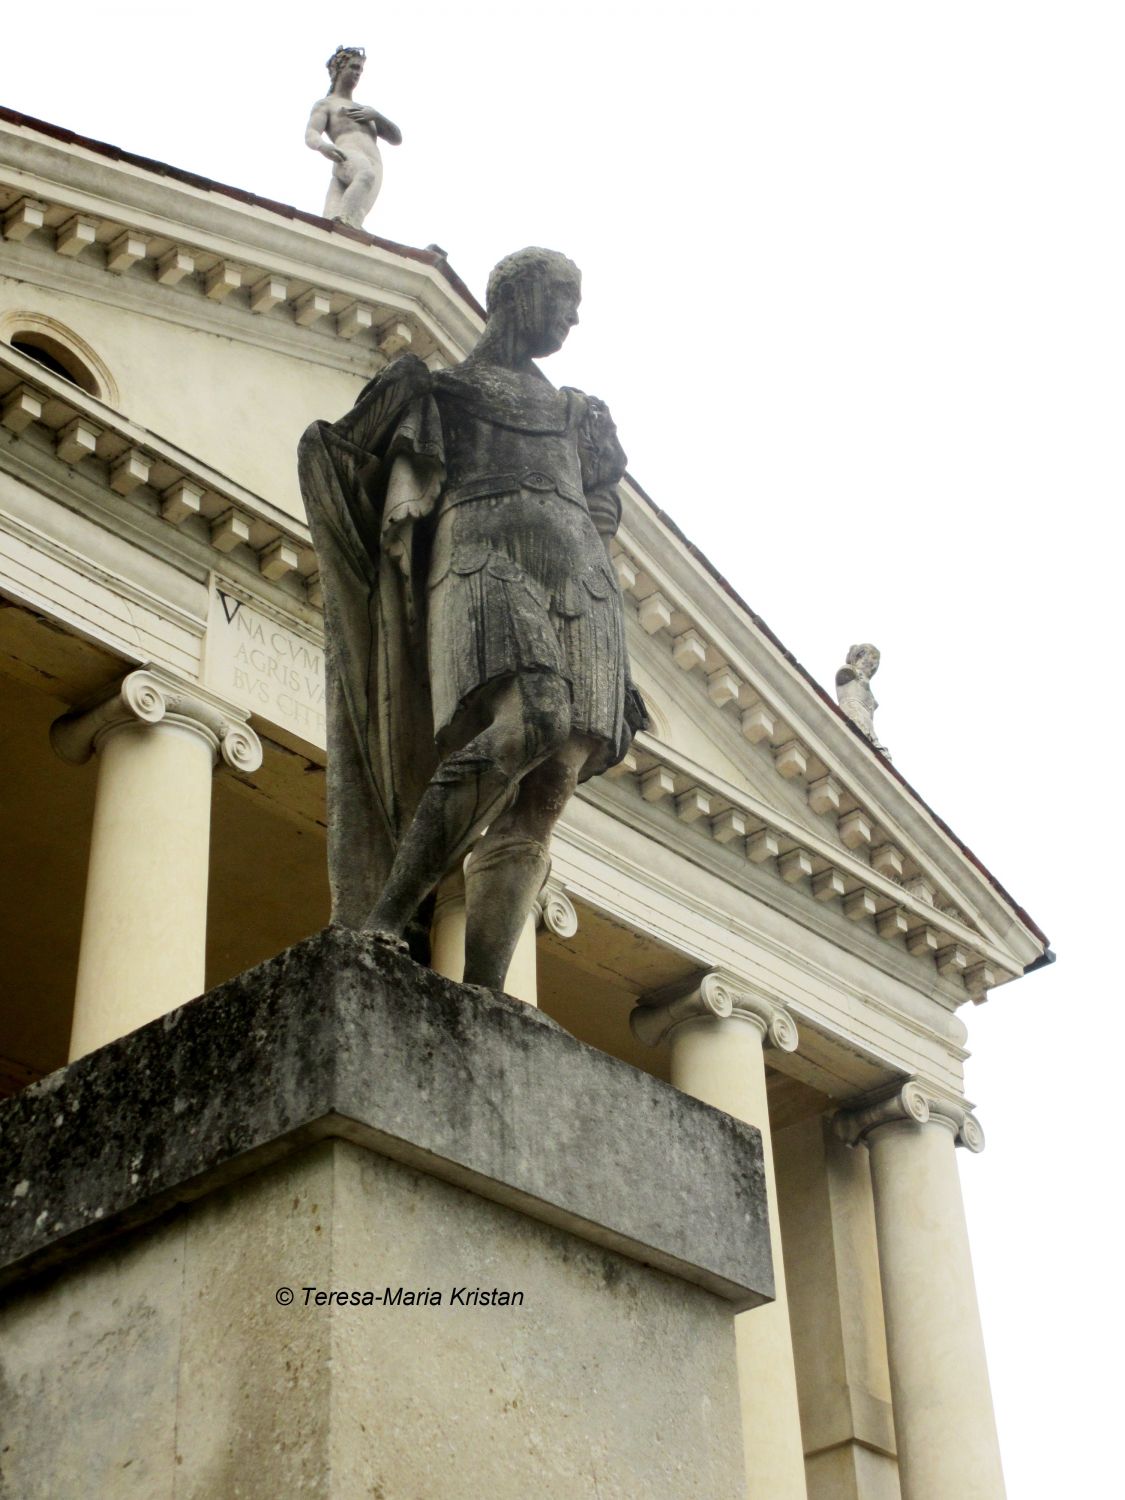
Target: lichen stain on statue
(853, 691)
(475, 639)
(348, 134)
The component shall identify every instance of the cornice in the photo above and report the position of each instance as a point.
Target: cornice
(239, 529)
(742, 677)
(177, 305)
(932, 995)
(163, 214)
(941, 1030)
(709, 809)
(179, 605)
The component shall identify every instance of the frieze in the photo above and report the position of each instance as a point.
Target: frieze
(264, 665)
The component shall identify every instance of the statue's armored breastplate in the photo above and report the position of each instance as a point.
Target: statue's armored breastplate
(504, 431)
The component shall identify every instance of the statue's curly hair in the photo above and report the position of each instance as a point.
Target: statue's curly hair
(340, 57)
(532, 261)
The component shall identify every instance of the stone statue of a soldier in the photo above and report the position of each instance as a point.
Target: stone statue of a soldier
(475, 636)
(349, 134)
(853, 690)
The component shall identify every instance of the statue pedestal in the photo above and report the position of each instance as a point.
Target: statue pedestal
(514, 1261)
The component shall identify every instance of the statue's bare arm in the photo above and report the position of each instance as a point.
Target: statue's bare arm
(315, 138)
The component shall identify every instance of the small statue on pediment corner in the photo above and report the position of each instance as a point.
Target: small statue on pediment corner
(853, 691)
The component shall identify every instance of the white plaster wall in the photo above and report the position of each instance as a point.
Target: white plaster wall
(239, 407)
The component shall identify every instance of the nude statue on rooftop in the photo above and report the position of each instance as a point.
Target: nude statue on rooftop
(348, 135)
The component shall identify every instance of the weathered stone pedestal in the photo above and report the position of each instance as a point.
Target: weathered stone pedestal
(339, 1121)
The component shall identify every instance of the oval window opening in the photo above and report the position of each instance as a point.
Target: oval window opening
(57, 358)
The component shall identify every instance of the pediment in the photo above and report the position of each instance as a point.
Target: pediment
(747, 751)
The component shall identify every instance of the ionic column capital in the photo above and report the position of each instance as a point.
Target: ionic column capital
(913, 1102)
(717, 996)
(554, 910)
(153, 696)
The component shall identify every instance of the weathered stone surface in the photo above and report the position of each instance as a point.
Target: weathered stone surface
(339, 1037)
(163, 1367)
(853, 690)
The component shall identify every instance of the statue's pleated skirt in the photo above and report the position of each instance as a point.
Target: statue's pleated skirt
(521, 583)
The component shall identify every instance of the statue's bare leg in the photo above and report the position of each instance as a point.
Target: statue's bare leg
(336, 189)
(364, 179)
(508, 867)
(529, 719)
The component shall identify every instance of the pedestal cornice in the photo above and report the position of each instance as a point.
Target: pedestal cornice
(914, 1104)
(337, 1037)
(153, 696)
(717, 996)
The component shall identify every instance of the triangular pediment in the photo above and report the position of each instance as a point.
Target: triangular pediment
(747, 752)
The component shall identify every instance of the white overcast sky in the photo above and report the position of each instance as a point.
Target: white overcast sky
(854, 289)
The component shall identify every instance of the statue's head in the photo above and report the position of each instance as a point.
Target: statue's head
(346, 60)
(534, 294)
(865, 659)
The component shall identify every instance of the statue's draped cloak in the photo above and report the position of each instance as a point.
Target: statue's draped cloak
(379, 721)
(371, 483)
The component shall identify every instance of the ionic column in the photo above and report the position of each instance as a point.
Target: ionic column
(144, 924)
(718, 1030)
(944, 1425)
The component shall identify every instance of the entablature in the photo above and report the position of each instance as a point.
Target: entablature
(861, 1024)
(695, 808)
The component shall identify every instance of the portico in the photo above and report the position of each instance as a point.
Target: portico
(753, 906)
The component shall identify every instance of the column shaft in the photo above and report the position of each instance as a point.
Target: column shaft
(721, 1062)
(144, 924)
(836, 1314)
(944, 1424)
(447, 931)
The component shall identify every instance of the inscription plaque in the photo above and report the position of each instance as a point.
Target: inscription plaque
(264, 665)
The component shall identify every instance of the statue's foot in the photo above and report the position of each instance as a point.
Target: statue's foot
(389, 940)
